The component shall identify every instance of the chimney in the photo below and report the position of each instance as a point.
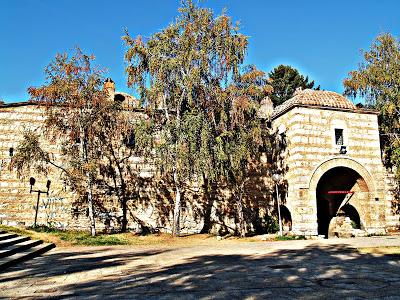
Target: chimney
(109, 86)
(266, 108)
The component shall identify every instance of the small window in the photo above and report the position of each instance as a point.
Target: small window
(338, 136)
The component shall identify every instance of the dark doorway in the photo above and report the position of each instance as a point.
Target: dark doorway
(286, 218)
(350, 212)
(336, 179)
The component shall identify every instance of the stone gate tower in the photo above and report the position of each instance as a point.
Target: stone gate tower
(333, 164)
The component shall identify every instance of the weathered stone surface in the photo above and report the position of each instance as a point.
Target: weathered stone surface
(153, 211)
(309, 128)
(312, 151)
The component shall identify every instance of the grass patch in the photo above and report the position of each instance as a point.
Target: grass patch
(290, 238)
(259, 238)
(15, 230)
(81, 238)
(66, 238)
(88, 240)
(376, 234)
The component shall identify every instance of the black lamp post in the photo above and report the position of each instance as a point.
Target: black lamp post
(32, 183)
(276, 178)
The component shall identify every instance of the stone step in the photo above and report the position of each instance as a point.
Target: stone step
(10, 250)
(27, 254)
(13, 241)
(7, 236)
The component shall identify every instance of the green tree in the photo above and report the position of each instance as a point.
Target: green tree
(122, 136)
(378, 81)
(241, 135)
(87, 125)
(285, 80)
(184, 70)
(237, 137)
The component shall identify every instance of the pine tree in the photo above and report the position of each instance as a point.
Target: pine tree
(285, 80)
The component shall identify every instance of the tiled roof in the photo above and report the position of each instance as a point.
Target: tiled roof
(310, 97)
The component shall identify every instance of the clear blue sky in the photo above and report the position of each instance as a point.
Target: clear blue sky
(322, 39)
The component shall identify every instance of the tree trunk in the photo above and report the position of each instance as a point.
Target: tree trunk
(89, 186)
(242, 232)
(208, 206)
(123, 198)
(177, 207)
(90, 206)
(124, 224)
(242, 229)
(207, 215)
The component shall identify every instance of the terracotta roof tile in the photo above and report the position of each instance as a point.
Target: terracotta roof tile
(310, 97)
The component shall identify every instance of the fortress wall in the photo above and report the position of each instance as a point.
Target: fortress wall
(310, 139)
(17, 204)
(153, 209)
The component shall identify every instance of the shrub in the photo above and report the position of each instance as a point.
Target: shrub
(353, 224)
(269, 224)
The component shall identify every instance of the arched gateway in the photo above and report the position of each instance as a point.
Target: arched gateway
(333, 172)
(342, 190)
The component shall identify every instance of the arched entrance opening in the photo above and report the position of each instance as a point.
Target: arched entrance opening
(286, 217)
(332, 199)
(350, 212)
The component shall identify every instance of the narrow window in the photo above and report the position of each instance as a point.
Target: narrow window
(338, 136)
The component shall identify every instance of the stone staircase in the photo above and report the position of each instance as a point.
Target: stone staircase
(15, 249)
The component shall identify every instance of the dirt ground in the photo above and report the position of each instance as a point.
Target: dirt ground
(356, 268)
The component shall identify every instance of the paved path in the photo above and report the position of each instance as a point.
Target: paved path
(326, 269)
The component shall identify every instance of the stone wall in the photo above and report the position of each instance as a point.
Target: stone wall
(153, 211)
(311, 151)
(17, 204)
(392, 209)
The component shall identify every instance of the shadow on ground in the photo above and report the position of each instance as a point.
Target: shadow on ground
(311, 273)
